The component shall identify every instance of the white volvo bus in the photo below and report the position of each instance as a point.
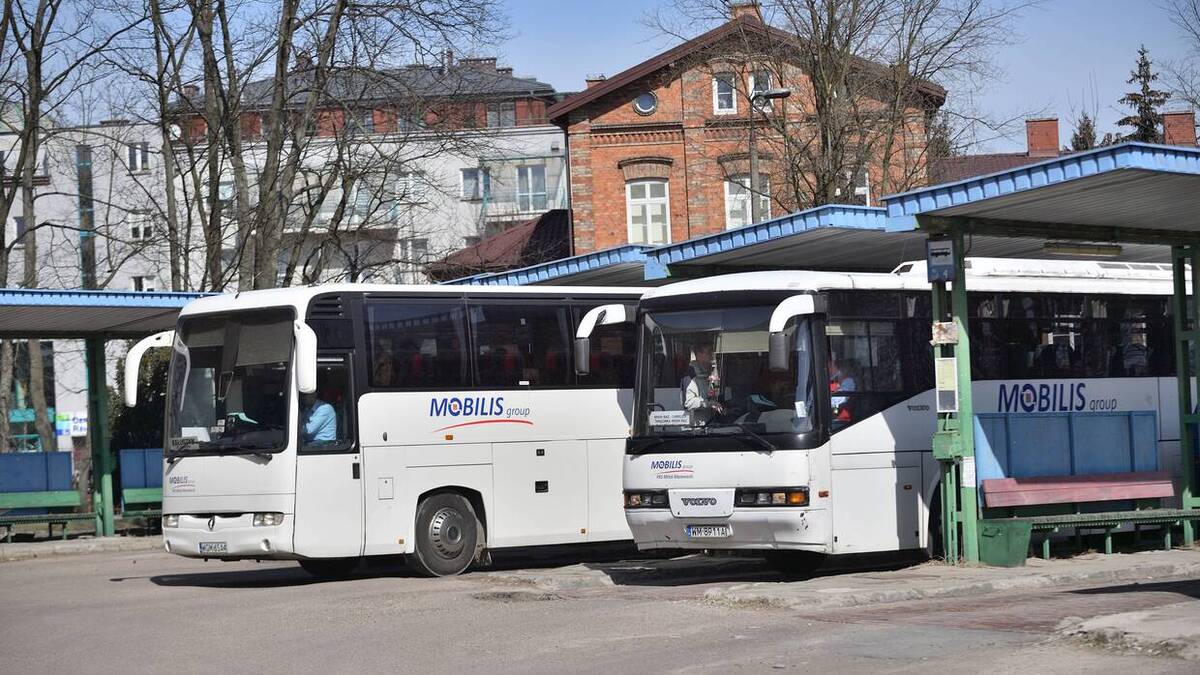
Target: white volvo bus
(326, 424)
(831, 454)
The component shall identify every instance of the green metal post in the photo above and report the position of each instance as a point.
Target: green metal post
(967, 501)
(1184, 309)
(102, 460)
(946, 425)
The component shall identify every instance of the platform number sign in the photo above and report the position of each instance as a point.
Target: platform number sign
(939, 260)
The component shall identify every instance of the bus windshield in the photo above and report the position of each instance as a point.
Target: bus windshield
(229, 383)
(705, 371)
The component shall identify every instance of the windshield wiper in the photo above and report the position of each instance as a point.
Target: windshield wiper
(750, 436)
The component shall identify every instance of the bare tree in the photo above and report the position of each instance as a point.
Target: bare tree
(868, 76)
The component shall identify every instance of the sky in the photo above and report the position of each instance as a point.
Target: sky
(1069, 55)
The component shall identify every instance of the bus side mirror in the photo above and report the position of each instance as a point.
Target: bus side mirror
(306, 357)
(778, 351)
(778, 345)
(133, 361)
(604, 315)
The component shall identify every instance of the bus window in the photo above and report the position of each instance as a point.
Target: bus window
(417, 345)
(521, 344)
(864, 369)
(614, 353)
(325, 414)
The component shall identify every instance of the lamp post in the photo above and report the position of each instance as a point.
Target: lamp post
(756, 102)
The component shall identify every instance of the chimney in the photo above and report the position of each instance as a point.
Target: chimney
(593, 80)
(506, 70)
(481, 63)
(1179, 128)
(749, 9)
(190, 92)
(1041, 137)
(114, 123)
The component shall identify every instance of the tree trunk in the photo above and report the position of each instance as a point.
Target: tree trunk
(175, 249)
(6, 387)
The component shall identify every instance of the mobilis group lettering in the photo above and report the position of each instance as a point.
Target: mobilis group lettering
(1046, 397)
(487, 410)
(669, 469)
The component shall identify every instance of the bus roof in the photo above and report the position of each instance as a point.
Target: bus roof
(298, 297)
(986, 274)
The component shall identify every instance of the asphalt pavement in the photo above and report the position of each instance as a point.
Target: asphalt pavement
(137, 611)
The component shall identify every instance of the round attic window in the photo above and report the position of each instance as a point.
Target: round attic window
(645, 103)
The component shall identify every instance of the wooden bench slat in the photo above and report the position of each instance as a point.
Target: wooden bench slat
(1039, 490)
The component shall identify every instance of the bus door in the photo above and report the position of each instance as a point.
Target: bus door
(329, 493)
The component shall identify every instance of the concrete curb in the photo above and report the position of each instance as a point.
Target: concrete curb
(627, 573)
(1171, 630)
(48, 549)
(796, 597)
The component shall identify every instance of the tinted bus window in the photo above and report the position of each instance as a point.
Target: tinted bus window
(417, 345)
(519, 345)
(614, 353)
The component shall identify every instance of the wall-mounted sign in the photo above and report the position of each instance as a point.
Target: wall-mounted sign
(939, 260)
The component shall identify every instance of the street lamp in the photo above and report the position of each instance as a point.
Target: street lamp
(756, 104)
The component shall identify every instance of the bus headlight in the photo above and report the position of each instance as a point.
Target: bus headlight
(170, 521)
(646, 499)
(793, 496)
(268, 519)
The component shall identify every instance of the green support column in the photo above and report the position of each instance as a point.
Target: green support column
(1184, 308)
(102, 460)
(945, 447)
(968, 503)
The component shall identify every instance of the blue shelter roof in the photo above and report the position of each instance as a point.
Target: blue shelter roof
(78, 314)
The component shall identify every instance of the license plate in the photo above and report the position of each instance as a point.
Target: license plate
(213, 547)
(707, 531)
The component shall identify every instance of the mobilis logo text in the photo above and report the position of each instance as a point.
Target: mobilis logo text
(1045, 397)
(491, 408)
(669, 469)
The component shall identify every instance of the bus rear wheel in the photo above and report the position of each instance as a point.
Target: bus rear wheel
(329, 568)
(447, 535)
(795, 564)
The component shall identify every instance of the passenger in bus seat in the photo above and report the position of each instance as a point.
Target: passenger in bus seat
(842, 380)
(383, 372)
(319, 417)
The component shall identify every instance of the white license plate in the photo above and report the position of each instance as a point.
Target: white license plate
(214, 547)
(707, 531)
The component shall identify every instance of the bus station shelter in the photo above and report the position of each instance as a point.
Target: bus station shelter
(1105, 203)
(95, 317)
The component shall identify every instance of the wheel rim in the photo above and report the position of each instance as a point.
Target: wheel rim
(447, 532)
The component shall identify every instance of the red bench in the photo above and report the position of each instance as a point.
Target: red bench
(1048, 490)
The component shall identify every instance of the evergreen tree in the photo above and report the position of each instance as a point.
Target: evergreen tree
(1146, 121)
(1084, 137)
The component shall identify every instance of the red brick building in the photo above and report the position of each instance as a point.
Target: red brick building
(660, 152)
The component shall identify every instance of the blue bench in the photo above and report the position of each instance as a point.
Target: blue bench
(141, 471)
(36, 487)
(1052, 470)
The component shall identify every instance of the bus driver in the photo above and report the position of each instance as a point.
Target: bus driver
(698, 387)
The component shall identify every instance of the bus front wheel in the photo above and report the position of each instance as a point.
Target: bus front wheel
(447, 534)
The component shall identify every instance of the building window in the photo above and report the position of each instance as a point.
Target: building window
(502, 114)
(141, 227)
(724, 94)
(648, 207)
(139, 156)
(860, 188)
(476, 184)
(738, 210)
(366, 121)
(19, 240)
(410, 188)
(143, 284)
(645, 104)
(760, 81)
(414, 255)
(531, 187)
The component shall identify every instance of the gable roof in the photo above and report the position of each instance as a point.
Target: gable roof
(546, 237)
(745, 23)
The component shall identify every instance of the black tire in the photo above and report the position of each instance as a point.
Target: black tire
(330, 568)
(795, 565)
(448, 531)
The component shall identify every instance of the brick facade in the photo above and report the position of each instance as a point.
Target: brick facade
(687, 142)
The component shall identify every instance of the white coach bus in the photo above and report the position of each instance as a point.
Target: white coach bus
(829, 453)
(326, 424)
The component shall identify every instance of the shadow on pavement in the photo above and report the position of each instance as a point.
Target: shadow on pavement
(1186, 587)
(705, 568)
